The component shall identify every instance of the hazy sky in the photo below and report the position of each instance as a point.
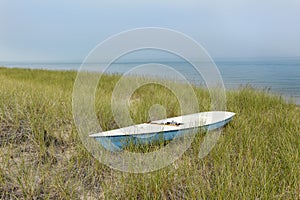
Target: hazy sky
(65, 30)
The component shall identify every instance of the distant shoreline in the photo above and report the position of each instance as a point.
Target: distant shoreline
(228, 86)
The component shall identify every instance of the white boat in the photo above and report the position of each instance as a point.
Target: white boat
(166, 129)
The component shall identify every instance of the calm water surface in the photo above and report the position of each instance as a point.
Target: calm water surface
(280, 76)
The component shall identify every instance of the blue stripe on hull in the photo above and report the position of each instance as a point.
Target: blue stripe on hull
(117, 143)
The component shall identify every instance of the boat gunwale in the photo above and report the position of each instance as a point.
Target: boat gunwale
(161, 132)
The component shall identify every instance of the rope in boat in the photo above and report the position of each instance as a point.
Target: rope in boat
(172, 123)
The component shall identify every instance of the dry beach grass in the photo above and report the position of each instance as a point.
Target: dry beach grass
(41, 155)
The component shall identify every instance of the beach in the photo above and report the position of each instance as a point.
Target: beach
(256, 156)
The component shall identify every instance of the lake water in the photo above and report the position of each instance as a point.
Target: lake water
(280, 76)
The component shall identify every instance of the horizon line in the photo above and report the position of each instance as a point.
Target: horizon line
(216, 59)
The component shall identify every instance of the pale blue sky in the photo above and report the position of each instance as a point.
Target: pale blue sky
(65, 30)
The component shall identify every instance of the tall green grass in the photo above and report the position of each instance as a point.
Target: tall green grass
(41, 155)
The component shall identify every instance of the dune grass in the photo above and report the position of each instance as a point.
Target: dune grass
(41, 155)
